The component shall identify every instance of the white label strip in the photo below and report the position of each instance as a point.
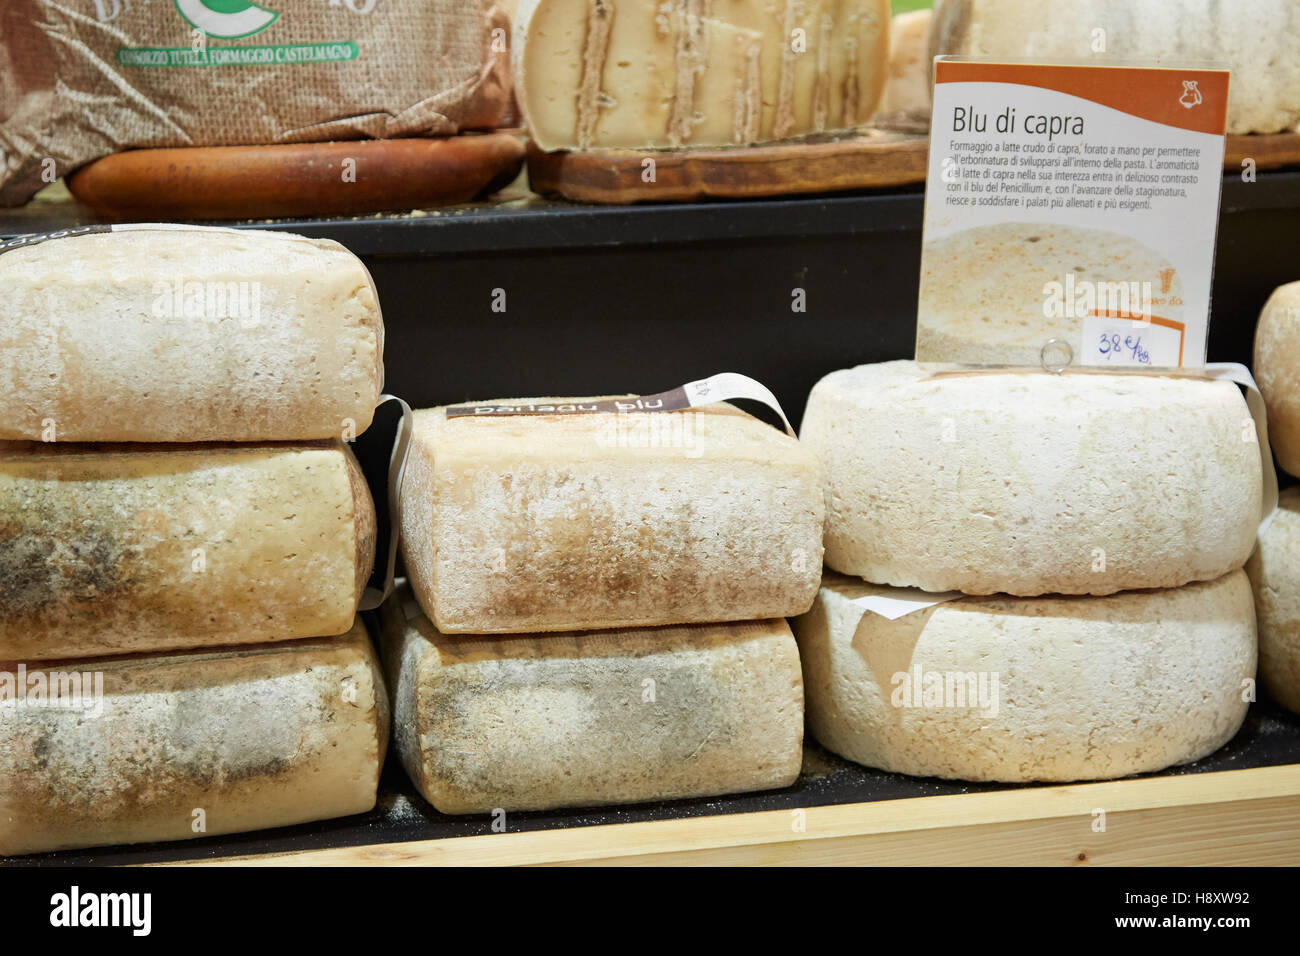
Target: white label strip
(1235, 372)
(893, 603)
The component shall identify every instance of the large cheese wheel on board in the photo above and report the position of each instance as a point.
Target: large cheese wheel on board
(644, 74)
(550, 522)
(154, 333)
(1274, 571)
(114, 549)
(1258, 39)
(1032, 483)
(1030, 689)
(191, 744)
(983, 290)
(534, 722)
(906, 99)
(1277, 370)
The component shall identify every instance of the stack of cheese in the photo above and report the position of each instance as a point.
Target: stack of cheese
(1275, 567)
(1099, 523)
(183, 536)
(596, 604)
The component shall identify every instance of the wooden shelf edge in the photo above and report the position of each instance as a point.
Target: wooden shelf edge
(1226, 818)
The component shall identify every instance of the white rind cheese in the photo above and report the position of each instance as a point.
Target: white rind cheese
(1038, 689)
(1274, 571)
(193, 744)
(651, 74)
(1277, 371)
(1258, 39)
(115, 549)
(1031, 483)
(525, 523)
(187, 335)
(535, 722)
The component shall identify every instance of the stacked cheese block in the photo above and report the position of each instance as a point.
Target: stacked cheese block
(653, 74)
(596, 604)
(184, 536)
(1098, 523)
(1275, 567)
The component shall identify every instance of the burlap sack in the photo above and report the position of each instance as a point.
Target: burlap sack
(80, 79)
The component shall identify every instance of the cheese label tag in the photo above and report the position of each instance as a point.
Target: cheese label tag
(1071, 213)
(706, 391)
(381, 451)
(893, 603)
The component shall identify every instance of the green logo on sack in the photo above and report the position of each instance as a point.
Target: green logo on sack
(226, 19)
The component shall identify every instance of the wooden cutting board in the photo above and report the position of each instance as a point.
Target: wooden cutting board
(869, 160)
(872, 159)
(297, 179)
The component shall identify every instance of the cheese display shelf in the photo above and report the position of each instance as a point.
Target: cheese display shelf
(1239, 806)
(526, 296)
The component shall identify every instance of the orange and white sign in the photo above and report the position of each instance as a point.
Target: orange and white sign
(1071, 210)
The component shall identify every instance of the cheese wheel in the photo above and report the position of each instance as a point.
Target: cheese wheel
(521, 523)
(177, 746)
(906, 99)
(1031, 483)
(1031, 689)
(1277, 371)
(534, 722)
(984, 291)
(1258, 39)
(148, 334)
(1274, 571)
(115, 549)
(645, 74)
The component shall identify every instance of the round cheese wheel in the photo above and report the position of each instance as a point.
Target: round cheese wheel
(1277, 371)
(1274, 571)
(1031, 483)
(1041, 689)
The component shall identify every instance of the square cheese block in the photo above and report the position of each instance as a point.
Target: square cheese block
(1258, 39)
(520, 523)
(115, 549)
(145, 748)
(1277, 370)
(150, 333)
(645, 74)
(1030, 689)
(1274, 571)
(535, 722)
(1032, 483)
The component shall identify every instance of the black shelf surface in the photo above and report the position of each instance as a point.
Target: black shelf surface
(1269, 737)
(610, 299)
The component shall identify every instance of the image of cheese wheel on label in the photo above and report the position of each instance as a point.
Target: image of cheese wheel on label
(115, 549)
(567, 520)
(1035, 689)
(1277, 370)
(1259, 40)
(534, 722)
(1027, 482)
(642, 74)
(996, 295)
(1274, 571)
(153, 747)
(154, 333)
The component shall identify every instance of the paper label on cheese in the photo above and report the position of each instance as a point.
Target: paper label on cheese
(1258, 429)
(1071, 214)
(722, 387)
(893, 603)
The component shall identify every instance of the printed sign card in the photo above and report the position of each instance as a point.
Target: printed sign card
(1071, 214)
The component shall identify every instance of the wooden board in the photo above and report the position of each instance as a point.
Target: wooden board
(1274, 151)
(873, 159)
(1232, 818)
(869, 160)
(299, 179)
